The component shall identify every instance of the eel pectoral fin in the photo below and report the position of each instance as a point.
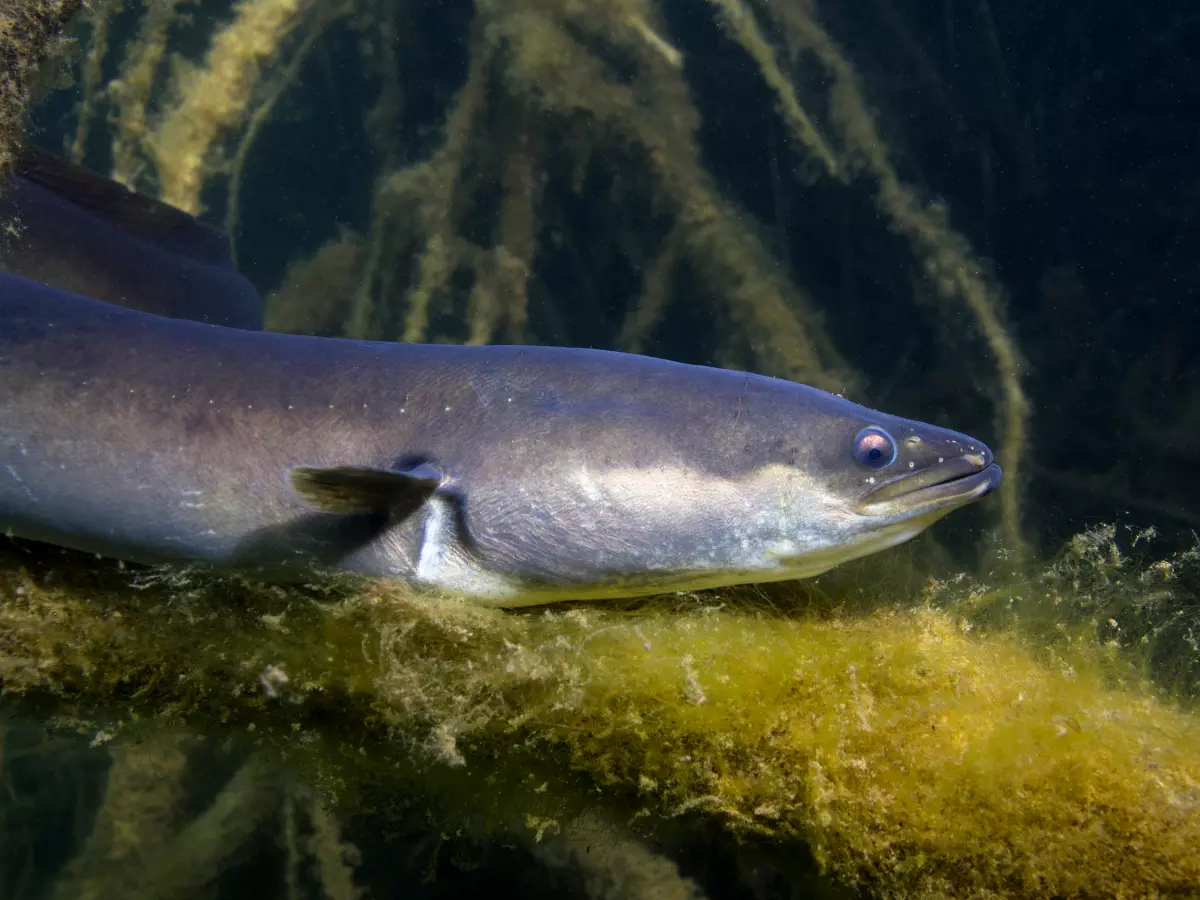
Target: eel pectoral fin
(363, 490)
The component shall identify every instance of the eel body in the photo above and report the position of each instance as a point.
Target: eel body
(506, 474)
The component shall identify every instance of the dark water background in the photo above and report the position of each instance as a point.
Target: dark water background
(1063, 140)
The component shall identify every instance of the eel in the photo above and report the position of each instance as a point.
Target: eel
(510, 475)
(145, 416)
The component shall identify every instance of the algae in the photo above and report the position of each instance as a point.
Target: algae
(29, 32)
(911, 752)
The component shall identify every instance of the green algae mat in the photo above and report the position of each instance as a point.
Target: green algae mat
(985, 741)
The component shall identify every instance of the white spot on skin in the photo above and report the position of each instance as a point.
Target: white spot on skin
(590, 489)
(448, 408)
(912, 465)
(941, 459)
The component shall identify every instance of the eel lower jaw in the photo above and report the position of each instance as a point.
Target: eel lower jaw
(945, 486)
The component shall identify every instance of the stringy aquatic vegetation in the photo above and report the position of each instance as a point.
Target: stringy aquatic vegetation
(912, 750)
(29, 33)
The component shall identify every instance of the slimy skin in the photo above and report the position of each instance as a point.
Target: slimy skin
(509, 475)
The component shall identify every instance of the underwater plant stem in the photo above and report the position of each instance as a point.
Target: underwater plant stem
(202, 851)
(100, 16)
(656, 294)
(614, 862)
(738, 21)
(445, 172)
(142, 803)
(569, 83)
(334, 857)
(500, 297)
(317, 293)
(213, 99)
(947, 257)
(326, 18)
(430, 188)
(130, 92)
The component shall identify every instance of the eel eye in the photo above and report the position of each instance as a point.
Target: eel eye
(874, 448)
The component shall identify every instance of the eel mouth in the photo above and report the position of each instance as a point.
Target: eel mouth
(951, 483)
